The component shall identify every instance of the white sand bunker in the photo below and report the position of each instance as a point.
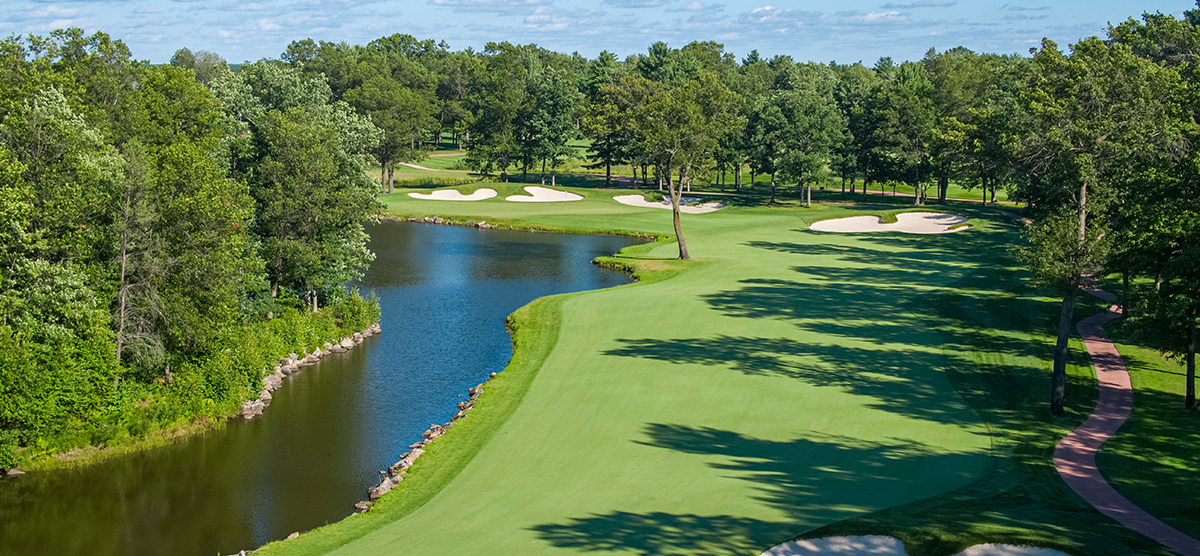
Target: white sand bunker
(455, 195)
(907, 222)
(640, 201)
(543, 195)
(878, 545)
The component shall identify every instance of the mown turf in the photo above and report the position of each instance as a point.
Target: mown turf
(790, 381)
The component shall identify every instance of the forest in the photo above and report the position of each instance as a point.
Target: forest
(168, 230)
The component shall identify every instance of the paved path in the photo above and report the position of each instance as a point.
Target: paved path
(1075, 455)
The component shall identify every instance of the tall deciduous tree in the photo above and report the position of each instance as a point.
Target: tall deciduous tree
(1096, 113)
(682, 129)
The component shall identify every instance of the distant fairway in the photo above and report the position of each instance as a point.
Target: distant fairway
(788, 380)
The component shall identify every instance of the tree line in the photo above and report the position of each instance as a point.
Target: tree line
(1096, 140)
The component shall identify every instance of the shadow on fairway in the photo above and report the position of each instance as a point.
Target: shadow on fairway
(993, 343)
(796, 477)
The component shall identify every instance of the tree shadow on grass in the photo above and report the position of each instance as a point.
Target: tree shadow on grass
(995, 339)
(808, 480)
(891, 379)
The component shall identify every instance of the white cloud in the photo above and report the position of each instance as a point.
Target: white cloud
(636, 3)
(891, 17)
(919, 4)
(1023, 17)
(492, 6)
(779, 16)
(697, 6)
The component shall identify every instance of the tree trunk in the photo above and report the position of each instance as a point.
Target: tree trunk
(391, 174)
(843, 184)
(944, 183)
(607, 173)
(772, 187)
(737, 177)
(1190, 400)
(121, 289)
(382, 175)
(543, 171)
(675, 190)
(1058, 379)
(808, 195)
(852, 179)
(1083, 213)
(1125, 293)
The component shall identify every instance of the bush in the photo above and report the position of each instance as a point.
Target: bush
(353, 312)
(8, 450)
(653, 196)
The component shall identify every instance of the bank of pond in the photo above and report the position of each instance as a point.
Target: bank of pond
(337, 425)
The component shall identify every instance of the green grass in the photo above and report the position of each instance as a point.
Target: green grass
(1152, 459)
(787, 382)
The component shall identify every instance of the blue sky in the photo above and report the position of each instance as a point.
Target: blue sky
(845, 30)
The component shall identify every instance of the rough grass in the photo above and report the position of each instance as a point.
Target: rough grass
(1152, 460)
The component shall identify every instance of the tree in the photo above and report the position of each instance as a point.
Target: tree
(305, 160)
(550, 118)
(206, 65)
(402, 113)
(1096, 113)
(682, 129)
(904, 128)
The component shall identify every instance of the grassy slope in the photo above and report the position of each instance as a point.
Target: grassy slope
(793, 380)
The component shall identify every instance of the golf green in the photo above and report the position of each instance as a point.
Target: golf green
(778, 385)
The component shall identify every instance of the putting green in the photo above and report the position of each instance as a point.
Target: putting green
(777, 386)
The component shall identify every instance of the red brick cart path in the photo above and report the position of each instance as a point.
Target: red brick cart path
(1075, 455)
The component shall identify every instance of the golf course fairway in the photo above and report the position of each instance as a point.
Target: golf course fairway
(780, 383)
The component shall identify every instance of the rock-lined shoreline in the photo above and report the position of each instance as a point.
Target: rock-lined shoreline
(396, 472)
(293, 363)
(439, 220)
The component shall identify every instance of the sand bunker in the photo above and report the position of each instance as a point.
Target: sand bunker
(455, 195)
(877, 545)
(640, 201)
(907, 222)
(544, 195)
(410, 165)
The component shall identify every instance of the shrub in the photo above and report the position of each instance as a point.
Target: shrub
(8, 450)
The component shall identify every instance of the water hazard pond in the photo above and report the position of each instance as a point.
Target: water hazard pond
(444, 291)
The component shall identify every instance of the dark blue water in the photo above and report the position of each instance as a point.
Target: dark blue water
(445, 292)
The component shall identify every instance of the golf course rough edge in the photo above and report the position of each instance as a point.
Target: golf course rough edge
(906, 222)
(534, 329)
(879, 545)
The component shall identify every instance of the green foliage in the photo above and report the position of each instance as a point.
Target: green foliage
(1057, 255)
(132, 292)
(8, 449)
